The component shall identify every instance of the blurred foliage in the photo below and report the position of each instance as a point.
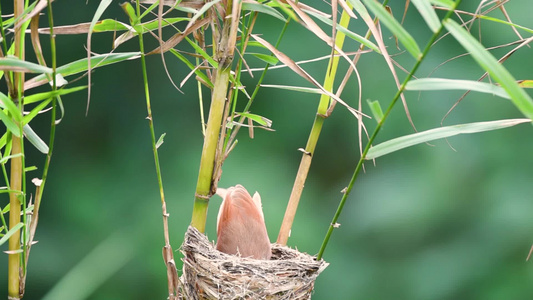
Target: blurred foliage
(427, 222)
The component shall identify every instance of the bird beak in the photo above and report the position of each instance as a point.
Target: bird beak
(222, 192)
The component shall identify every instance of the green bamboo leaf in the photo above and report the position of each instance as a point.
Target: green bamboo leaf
(11, 231)
(204, 54)
(294, 88)
(35, 139)
(395, 27)
(12, 63)
(36, 110)
(10, 125)
(359, 8)
(96, 61)
(444, 3)
(431, 84)
(153, 25)
(286, 8)
(258, 7)
(376, 110)
(46, 95)
(428, 13)
(110, 25)
(130, 12)
(354, 36)
(14, 111)
(258, 119)
(81, 65)
(269, 59)
(528, 84)
(160, 141)
(201, 12)
(438, 133)
(30, 168)
(7, 158)
(490, 64)
(197, 71)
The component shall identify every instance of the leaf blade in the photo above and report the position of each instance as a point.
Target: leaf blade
(399, 143)
(519, 97)
(432, 84)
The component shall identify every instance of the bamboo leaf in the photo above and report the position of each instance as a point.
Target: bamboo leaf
(428, 13)
(444, 3)
(200, 13)
(11, 231)
(490, 64)
(354, 36)
(438, 133)
(395, 27)
(269, 59)
(376, 110)
(130, 12)
(294, 88)
(160, 141)
(43, 96)
(198, 72)
(35, 139)
(36, 110)
(258, 119)
(12, 63)
(10, 125)
(100, 26)
(431, 84)
(528, 84)
(258, 7)
(12, 108)
(81, 66)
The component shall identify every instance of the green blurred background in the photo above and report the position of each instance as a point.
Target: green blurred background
(427, 222)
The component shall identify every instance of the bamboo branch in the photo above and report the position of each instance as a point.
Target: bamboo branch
(307, 156)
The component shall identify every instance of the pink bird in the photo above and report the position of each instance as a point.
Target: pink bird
(240, 224)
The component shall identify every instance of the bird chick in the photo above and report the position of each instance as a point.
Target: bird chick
(241, 225)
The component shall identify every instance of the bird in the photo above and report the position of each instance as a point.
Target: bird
(241, 226)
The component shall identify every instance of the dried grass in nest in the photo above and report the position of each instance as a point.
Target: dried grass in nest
(211, 274)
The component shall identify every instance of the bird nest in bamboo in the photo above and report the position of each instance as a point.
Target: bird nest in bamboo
(211, 274)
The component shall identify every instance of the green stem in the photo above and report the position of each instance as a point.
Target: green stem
(359, 166)
(40, 189)
(213, 140)
(168, 257)
(212, 134)
(312, 141)
(17, 168)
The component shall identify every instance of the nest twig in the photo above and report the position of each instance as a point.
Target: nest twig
(211, 274)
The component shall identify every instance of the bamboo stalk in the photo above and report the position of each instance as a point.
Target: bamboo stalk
(314, 135)
(212, 153)
(14, 266)
(168, 254)
(212, 134)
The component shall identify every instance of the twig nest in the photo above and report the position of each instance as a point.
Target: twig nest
(211, 274)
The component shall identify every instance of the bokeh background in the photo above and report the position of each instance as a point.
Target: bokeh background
(428, 222)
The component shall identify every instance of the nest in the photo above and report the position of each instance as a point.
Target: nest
(211, 274)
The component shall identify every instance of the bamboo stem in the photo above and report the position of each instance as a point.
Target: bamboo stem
(212, 153)
(14, 266)
(212, 134)
(168, 254)
(307, 156)
(14, 219)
